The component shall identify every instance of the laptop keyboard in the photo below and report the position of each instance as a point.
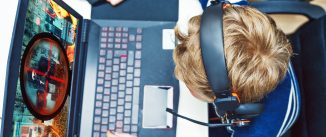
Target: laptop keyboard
(118, 81)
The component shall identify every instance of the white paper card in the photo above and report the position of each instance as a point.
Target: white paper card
(168, 39)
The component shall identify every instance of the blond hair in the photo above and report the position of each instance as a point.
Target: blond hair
(257, 55)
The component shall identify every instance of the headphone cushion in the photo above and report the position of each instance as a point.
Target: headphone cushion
(249, 110)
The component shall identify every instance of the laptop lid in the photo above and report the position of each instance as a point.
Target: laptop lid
(34, 17)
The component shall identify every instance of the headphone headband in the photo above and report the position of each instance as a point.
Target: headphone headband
(211, 42)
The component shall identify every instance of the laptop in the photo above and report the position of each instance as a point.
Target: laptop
(121, 69)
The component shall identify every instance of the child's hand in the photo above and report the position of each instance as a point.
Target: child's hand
(114, 2)
(111, 134)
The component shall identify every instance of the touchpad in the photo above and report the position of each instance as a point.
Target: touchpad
(156, 100)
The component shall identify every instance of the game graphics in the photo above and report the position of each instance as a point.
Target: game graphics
(46, 64)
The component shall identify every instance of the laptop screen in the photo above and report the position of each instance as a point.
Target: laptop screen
(45, 16)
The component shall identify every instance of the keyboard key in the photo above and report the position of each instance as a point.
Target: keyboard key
(111, 28)
(139, 30)
(108, 62)
(103, 39)
(99, 89)
(104, 128)
(111, 126)
(96, 127)
(118, 34)
(116, 61)
(120, 102)
(101, 67)
(126, 120)
(99, 97)
(120, 116)
(122, 87)
(113, 104)
(106, 98)
(97, 119)
(105, 113)
(111, 40)
(137, 73)
(102, 60)
(139, 38)
(102, 52)
(104, 29)
(129, 90)
(128, 106)
(111, 34)
(105, 106)
(123, 65)
(117, 40)
(105, 121)
(122, 80)
(98, 104)
(131, 58)
(119, 124)
(135, 97)
(125, 34)
(96, 134)
(115, 75)
(136, 82)
(98, 111)
(107, 77)
(128, 98)
(137, 63)
(114, 82)
(124, 46)
(114, 97)
(138, 55)
(109, 54)
(134, 116)
(138, 45)
(112, 112)
(124, 40)
(107, 84)
(110, 45)
(121, 94)
(108, 70)
(123, 59)
(106, 91)
(104, 34)
(129, 84)
(134, 128)
(100, 74)
(120, 109)
(118, 29)
(130, 70)
(122, 73)
(126, 128)
(125, 29)
(112, 118)
(115, 67)
(100, 81)
(114, 89)
(129, 76)
(103, 45)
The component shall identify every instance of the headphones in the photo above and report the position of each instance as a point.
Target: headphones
(227, 104)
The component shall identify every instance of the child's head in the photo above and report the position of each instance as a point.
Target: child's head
(257, 55)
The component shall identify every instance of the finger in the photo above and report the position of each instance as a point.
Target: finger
(123, 135)
(110, 134)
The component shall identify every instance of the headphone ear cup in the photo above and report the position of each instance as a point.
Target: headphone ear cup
(249, 110)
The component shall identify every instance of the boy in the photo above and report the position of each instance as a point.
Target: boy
(257, 55)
